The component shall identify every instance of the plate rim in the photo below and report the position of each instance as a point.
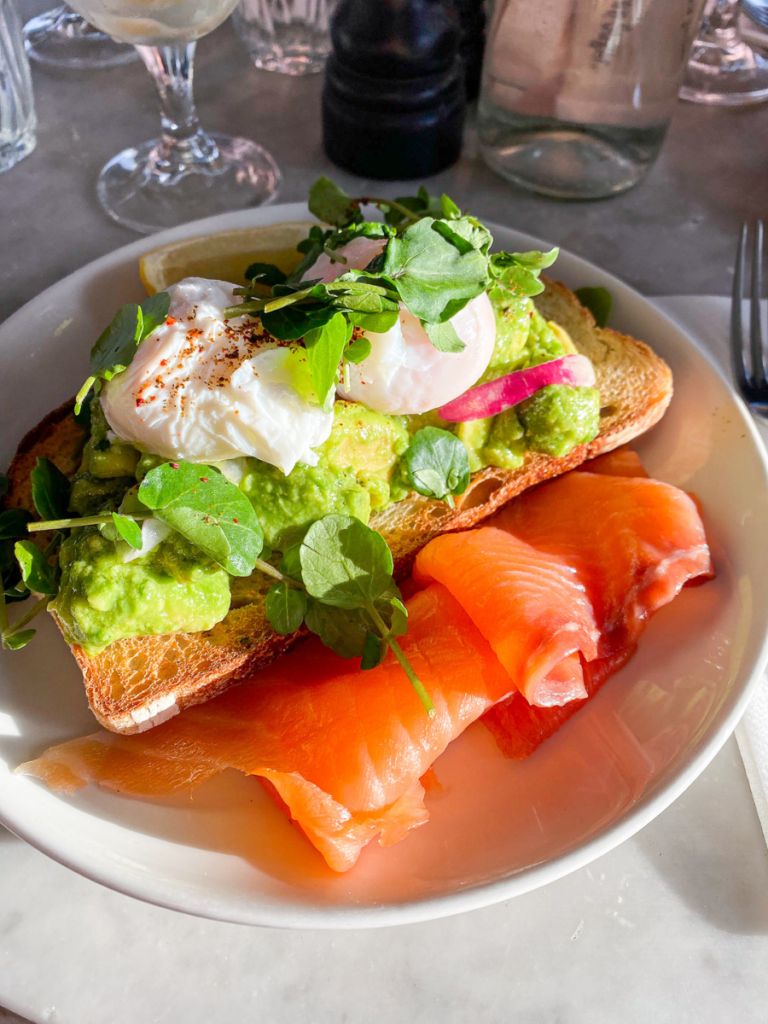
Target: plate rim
(270, 913)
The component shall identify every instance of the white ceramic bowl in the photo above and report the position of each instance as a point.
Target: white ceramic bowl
(499, 828)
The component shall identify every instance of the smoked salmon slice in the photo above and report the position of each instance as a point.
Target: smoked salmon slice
(634, 542)
(344, 749)
(528, 604)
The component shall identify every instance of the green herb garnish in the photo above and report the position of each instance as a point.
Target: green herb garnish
(598, 301)
(438, 464)
(116, 345)
(339, 581)
(129, 530)
(50, 490)
(206, 508)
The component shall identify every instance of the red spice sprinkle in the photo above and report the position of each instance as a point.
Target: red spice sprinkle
(204, 479)
(174, 465)
(163, 362)
(170, 320)
(234, 520)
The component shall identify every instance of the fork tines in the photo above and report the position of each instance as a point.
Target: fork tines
(753, 385)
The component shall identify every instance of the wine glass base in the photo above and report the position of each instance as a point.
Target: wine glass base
(135, 192)
(62, 39)
(737, 77)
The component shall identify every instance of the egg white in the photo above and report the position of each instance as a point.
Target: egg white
(204, 389)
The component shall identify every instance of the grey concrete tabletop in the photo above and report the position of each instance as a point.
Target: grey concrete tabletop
(673, 234)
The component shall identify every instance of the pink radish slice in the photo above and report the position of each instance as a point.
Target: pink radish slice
(504, 392)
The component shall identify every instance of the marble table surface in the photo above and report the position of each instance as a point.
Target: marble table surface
(670, 927)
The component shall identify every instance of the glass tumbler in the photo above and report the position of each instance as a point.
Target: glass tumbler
(289, 36)
(577, 95)
(17, 109)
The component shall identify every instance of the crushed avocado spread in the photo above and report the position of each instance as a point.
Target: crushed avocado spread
(175, 588)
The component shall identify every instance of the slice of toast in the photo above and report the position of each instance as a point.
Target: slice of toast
(137, 683)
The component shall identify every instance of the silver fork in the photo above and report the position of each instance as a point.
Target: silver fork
(753, 386)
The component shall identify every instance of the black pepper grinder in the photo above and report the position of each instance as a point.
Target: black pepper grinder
(472, 42)
(394, 96)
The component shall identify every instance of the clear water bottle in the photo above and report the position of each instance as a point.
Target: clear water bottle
(17, 109)
(577, 94)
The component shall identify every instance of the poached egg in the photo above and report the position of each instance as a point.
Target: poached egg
(204, 389)
(404, 372)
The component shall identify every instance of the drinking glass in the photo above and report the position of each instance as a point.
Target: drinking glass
(723, 70)
(187, 172)
(17, 109)
(63, 39)
(290, 36)
(577, 96)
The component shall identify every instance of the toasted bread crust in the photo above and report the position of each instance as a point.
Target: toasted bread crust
(135, 683)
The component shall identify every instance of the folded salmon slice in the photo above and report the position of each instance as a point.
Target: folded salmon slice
(528, 604)
(344, 749)
(634, 543)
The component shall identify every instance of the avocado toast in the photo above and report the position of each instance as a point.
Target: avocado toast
(135, 682)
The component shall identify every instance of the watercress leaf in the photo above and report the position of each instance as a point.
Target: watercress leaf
(265, 273)
(114, 348)
(13, 523)
(331, 204)
(290, 564)
(520, 281)
(437, 463)
(4, 484)
(536, 260)
(286, 607)
(50, 490)
(13, 594)
(365, 229)
(345, 563)
(447, 231)
(16, 641)
(365, 300)
(359, 350)
(208, 510)
(316, 238)
(374, 652)
(430, 271)
(443, 336)
(376, 323)
(448, 208)
(83, 414)
(343, 630)
(477, 234)
(154, 312)
(129, 530)
(38, 574)
(598, 301)
(325, 346)
(399, 623)
(412, 203)
(292, 322)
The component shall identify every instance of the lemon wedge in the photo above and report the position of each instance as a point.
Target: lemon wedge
(224, 255)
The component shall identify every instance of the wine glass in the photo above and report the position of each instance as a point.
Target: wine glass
(722, 69)
(63, 39)
(186, 173)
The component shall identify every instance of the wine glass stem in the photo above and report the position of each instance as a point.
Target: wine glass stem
(182, 141)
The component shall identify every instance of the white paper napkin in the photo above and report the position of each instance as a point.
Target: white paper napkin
(707, 318)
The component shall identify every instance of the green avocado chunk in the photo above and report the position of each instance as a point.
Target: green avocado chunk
(559, 417)
(352, 476)
(173, 589)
